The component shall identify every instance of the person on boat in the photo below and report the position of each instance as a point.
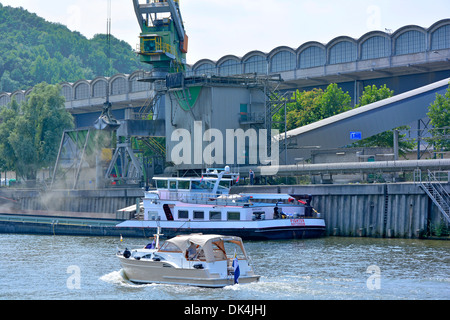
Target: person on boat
(276, 215)
(191, 252)
(252, 176)
(151, 245)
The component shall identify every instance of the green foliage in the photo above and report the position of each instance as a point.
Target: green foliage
(312, 106)
(372, 94)
(33, 50)
(30, 133)
(334, 101)
(439, 114)
(441, 230)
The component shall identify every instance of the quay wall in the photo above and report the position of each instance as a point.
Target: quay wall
(100, 204)
(397, 210)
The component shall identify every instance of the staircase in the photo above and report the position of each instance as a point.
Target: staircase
(151, 106)
(436, 191)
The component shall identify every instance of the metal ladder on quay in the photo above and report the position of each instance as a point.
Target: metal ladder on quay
(436, 191)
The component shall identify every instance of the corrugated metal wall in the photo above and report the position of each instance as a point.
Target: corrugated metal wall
(376, 210)
(379, 210)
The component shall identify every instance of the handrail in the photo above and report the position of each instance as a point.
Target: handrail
(417, 176)
(434, 189)
(432, 177)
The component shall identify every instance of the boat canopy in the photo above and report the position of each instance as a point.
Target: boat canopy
(182, 242)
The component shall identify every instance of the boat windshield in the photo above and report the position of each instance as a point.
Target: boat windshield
(169, 247)
(208, 185)
(204, 185)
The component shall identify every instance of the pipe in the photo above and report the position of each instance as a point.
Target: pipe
(356, 167)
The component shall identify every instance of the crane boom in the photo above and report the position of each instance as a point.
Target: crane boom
(160, 7)
(163, 40)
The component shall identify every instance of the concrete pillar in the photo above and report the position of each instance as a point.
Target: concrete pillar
(395, 144)
(358, 90)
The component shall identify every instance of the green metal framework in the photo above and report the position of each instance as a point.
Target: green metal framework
(163, 41)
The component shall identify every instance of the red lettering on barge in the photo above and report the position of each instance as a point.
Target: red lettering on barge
(298, 222)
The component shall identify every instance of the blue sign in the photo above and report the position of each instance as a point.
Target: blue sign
(355, 135)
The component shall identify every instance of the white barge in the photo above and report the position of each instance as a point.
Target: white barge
(204, 205)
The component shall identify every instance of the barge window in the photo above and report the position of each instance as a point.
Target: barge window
(225, 184)
(197, 185)
(183, 214)
(215, 215)
(152, 215)
(183, 184)
(161, 184)
(199, 215)
(172, 185)
(233, 215)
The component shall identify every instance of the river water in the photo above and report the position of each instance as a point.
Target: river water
(331, 268)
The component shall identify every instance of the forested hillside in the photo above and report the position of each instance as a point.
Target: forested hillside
(33, 50)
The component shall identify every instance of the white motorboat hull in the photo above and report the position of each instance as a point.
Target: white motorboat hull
(162, 272)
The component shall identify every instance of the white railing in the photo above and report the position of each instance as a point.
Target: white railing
(203, 198)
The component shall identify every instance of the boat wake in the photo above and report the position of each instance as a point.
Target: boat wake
(264, 289)
(119, 278)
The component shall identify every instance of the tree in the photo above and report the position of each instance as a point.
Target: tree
(303, 111)
(7, 125)
(30, 133)
(7, 84)
(439, 114)
(373, 94)
(312, 106)
(334, 101)
(33, 50)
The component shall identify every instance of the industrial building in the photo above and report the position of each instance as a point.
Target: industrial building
(234, 92)
(404, 60)
(411, 57)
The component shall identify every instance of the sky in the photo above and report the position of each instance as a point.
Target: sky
(220, 27)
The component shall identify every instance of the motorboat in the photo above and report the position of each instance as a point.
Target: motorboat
(204, 260)
(184, 205)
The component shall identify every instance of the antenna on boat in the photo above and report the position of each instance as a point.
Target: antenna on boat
(158, 233)
(226, 170)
